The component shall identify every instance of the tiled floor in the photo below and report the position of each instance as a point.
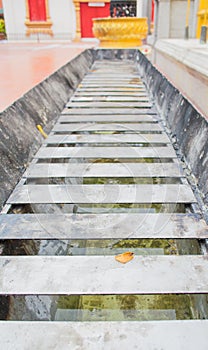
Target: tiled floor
(24, 65)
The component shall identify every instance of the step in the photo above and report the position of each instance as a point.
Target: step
(106, 104)
(103, 194)
(129, 127)
(139, 93)
(51, 275)
(108, 77)
(106, 152)
(102, 226)
(111, 84)
(106, 111)
(146, 335)
(118, 88)
(112, 138)
(108, 98)
(106, 118)
(120, 170)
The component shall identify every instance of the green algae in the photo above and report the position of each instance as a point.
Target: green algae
(169, 246)
(130, 180)
(131, 207)
(128, 307)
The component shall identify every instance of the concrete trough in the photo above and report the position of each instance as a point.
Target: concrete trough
(19, 138)
(62, 267)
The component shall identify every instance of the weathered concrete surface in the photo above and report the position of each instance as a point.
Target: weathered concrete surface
(91, 275)
(149, 335)
(185, 64)
(19, 137)
(188, 127)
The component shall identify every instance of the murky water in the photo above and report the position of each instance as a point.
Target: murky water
(107, 307)
(124, 307)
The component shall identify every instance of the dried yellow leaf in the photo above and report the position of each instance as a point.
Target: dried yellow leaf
(125, 257)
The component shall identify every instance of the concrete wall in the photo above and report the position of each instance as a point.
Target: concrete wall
(62, 14)
(19, 138)
(14, 15)
(172, 18)
(163, 30)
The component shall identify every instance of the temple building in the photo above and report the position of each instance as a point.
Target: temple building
(72, 19)
(65, 19)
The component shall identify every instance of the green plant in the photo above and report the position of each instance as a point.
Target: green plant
(2, 26)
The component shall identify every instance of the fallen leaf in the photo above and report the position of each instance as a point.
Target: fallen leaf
(124, 257)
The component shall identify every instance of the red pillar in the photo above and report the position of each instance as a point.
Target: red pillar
(153, 11)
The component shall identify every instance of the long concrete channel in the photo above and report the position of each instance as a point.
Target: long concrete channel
(111, 177)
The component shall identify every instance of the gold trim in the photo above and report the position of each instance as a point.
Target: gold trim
(122, 32)
(35, 27)
(202, 17)
(27, 10)
(78, 20)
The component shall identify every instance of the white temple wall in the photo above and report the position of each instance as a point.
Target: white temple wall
(62, 14)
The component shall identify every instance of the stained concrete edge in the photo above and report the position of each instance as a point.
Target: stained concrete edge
(19, 138)
(188, 52)
(184, 63)
(188, 127)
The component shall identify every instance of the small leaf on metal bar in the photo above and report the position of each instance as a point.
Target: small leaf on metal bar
(124, 257)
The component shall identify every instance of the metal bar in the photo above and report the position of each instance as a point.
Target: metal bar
(103, 275)
(108, 104)
(128, 127)
(103, 138)
(102, 194)
(105, 99)
(120, 170)
(98, 79)
(96, 111)
(106, 152)
(168, 335)
(112, 77)
(109, 84)
(112, 93)
(127, 118)
(102, 226)
(112, 88)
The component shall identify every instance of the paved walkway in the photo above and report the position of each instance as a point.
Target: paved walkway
(24, 65)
